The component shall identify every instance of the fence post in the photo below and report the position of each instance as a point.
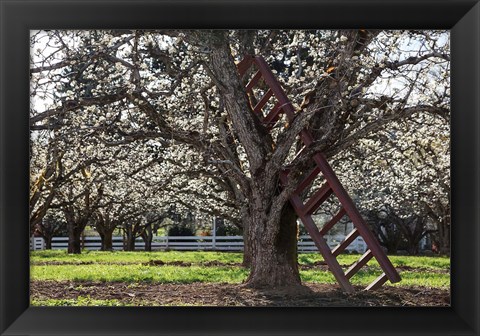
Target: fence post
(214, 234)
(38, 243)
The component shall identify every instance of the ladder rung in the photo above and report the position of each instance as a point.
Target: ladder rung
(359, 264)
(321, 244)
(273, 83)
(273, 115)
(356, 218)
(347, 241)
(324, 249)
(378, 282)
(263, 101)
(317, 199)
(253, 81)
(308, 180)
(333, 221)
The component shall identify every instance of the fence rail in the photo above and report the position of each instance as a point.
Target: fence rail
(192, 243)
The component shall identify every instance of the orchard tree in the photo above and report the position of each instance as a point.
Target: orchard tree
(78, 202)
(182, 87)
(125, 198)
(59, 179)
(384, 222)
(404, 173)
(45, 171)
(51, 225)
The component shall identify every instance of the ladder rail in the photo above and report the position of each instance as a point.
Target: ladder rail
(320, 242)
(357, 219)
(333, 221)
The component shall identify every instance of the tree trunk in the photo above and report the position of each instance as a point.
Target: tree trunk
(102, 238)
(274, 257)
(444, 232)
(147, 237)
(107, 240)
(391, 242)
(106, 234)
(272, 230)
(48, 242)
(148, 244)
(74, 241)
(441, 217)
(412, 247)
(129, 244)
(247, 246)
(444, 239)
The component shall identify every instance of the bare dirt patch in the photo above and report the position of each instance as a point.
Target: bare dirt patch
(223, 294)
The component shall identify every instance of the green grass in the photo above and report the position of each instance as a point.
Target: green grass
(441, 263)
(137, 273)
(409, 279)
(134, 257)
(133, 268)
(434, 263)
(129, 267)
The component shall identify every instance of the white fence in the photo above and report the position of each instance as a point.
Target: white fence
(37, 243)
(218, 243)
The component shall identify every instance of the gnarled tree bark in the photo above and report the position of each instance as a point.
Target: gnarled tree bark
(270, 237)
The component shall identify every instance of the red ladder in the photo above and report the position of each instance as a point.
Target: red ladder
(331, 186)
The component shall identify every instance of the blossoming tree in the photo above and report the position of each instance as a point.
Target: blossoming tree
(181, 89)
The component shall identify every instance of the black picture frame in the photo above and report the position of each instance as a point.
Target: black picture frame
(19, 16)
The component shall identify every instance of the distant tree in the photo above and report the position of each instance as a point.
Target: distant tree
(399, 228)
(405, 174)
(182, 225)
(153, 220)
(78, 209)
(224, 228)
(51, 226)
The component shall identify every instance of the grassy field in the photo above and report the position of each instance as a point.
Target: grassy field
(189, 267)
(60, 279)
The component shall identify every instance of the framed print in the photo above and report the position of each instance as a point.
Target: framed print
(20, 18)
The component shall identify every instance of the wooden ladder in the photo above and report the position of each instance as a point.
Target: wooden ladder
(331, 186)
